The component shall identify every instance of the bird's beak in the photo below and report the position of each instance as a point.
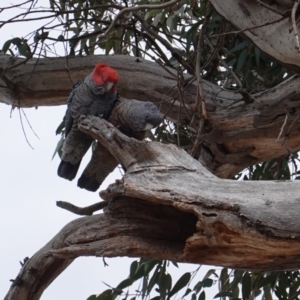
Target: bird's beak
(108, 85)
(148, 127)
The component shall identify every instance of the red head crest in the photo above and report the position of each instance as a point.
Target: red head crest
(104, 73)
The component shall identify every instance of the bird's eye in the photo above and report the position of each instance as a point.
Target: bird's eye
(147, 116)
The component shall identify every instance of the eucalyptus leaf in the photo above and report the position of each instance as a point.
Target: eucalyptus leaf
(180, 284)
(246, 286)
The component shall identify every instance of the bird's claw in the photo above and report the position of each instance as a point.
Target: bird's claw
(81, 118)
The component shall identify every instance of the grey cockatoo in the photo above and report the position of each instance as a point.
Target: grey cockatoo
(96, 95)
(132, 118)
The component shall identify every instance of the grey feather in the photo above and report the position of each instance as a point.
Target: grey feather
(86, 98)
(132, 118)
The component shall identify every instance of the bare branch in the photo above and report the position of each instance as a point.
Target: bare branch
(224, 64)
(23, 129)
(200, 101)
(15, 5)
(164, 42)
(250, 28)
(270, 7)
(294, 22)
(282, 127)
(131, 9)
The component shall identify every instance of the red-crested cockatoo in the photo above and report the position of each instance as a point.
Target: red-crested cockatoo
(95, 95)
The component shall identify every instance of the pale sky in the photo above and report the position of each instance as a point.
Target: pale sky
(29, 189)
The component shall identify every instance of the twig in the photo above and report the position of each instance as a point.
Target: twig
(200, 91)
(12, 20)
(82, 211)
(132, 9)
(179, 109)
(104, 262)
(250, 28)
(29, 123)
(246, 97)
(157, 48)
(224, 64)
(137, 50)
(178, 135)
(24, 130)
(294, 22)
(173, 51)
(270, 7)
(53, 15)
(289, 130)
(291, 126)
(282, 127)
(196, 145)
(38, 57)
(165, 68)
(215, 50)
(15, 5)
(181, 97)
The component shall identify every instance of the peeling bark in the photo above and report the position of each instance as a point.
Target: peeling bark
(275, 36)
(236, 135)
(168, 206)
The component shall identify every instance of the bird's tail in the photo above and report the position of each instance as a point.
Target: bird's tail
(89, 183)
(67, 170)
(100, 166)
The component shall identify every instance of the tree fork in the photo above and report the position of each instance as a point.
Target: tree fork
(139, 226)
(168, 206)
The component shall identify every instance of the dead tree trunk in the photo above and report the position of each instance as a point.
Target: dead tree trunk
(168, 206)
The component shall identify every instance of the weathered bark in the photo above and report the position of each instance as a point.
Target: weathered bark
(236, 134)
(276, 35)
(135, 225)
(168, 206)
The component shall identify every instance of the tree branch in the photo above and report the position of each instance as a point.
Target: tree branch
(235, 133)
(247, 225)
(131, 9)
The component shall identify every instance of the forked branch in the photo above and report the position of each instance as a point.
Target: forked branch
(168, 206)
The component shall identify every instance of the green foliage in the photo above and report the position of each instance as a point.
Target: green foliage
(169, 35)
(155, 279)
(170, 132)
(60, 130)
(156, 284)
(282, 168)
(20, 44)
